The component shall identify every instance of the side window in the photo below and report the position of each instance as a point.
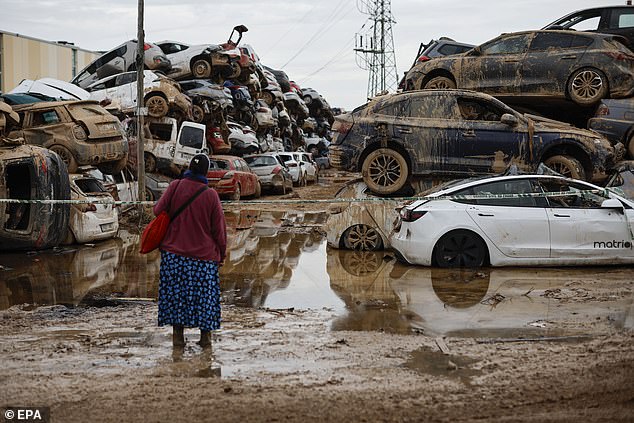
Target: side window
(622, 18)
(545, 40)
(449, 49)
(126, 78)
(590, 23)
(398, 109)
(570, 195)
(584, 19)
(471, 109)
(508, 45)
(237, 165)
(623, 184)
(44, 117)
(511, 187)
(431, 107)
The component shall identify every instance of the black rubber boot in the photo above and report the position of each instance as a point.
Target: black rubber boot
(178, 337)
(205, 339)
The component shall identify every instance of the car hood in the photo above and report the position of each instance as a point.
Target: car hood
(53, 88)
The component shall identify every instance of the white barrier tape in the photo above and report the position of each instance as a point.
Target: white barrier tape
(602, 192)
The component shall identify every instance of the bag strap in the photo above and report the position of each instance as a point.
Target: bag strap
(187, 203)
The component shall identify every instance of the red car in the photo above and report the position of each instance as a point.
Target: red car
(216, 141)
(231, 177)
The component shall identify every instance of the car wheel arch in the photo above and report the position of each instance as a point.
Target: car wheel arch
(435, 73)
(572, 149)
(390, 144)
(483, 239)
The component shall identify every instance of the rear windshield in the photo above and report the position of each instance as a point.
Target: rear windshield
(219, 164)
(286, 157)
(89, 185)
(260, 161)
(86, 111)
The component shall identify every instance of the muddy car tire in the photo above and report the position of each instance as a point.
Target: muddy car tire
(587, 86)
(150, 162)
(201, 68)
(198, 114)
(66, 156)
(360, 263)
(630, 148)
(362, 238)
(440, 82)
(385, 171)
(236, 70)
(460, 248)
(566, 166)
(258, 191)
(307, 99)
(149, 195)
(157, 106)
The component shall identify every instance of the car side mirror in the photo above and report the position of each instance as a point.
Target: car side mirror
(612, 203)
(476, 51)
(509, 119)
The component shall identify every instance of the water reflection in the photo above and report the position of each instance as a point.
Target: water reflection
(277, 260)
(503, 302)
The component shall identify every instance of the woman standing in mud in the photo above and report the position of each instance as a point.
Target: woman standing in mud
(191, 253)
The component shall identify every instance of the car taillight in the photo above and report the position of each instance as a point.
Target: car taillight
(277, 169)
(603, 110)
(216, 135)
(79, 132)
(263, 110)
(411, 215)
(619, 55)
(424, 58)
(146, 47)
(228, 175)
(341, 126)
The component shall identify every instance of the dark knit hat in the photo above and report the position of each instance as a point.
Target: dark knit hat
(199, 164)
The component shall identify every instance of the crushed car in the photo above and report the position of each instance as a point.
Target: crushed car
(459, 133)
(581, 66)
(121, 59)
(30, 172)
(81, 132)
(160, 94)
(91, 221)
(614, 119)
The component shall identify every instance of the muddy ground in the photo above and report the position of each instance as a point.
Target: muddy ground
(315, 334)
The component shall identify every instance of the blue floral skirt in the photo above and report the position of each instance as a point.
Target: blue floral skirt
(189, 292)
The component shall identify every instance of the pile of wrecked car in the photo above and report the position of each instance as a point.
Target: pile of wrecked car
(508, 105)
(217, 99)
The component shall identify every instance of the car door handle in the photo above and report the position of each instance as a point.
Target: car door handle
(561, 215)
(405, 131)
(570, 57)
(469, 134)
(486, 214)
(511, 61)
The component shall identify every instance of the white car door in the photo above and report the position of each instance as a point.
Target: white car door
(518, 227)
(581, 228)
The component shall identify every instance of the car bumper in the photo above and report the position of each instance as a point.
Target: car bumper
(92, 153)
(87, 227)
(411, 248)
(272, 182)
(223, 187)
(341, 157)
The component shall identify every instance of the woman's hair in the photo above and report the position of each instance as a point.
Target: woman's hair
(199, 164)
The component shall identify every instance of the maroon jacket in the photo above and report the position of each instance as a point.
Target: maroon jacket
(199, 231)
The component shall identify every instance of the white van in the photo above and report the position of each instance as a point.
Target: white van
(167, 145)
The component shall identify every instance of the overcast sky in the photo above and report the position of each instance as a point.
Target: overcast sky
(312, 40)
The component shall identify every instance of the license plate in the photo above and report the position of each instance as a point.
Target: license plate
(108, 127)
(107, 227)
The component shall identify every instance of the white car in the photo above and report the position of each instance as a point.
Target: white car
(527, 220)
(298, 173)
(188, 60)
(55, 88)
(161, 94)
(93, 221)
(243, 139)
(306, 161)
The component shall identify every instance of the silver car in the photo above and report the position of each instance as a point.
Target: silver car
(273, 173)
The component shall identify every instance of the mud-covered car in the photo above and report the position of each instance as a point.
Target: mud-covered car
(272, 172)
(81, 132)
(232, 177)
(458, 133)
(617, 20)
(121, 59)
(91, 221)
(160, 94)
(581, 66)
(622, 180)
(614, 119)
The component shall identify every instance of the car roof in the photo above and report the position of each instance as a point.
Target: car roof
(475, 182)
(49, 104)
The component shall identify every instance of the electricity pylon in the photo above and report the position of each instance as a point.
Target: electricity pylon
(375, 46)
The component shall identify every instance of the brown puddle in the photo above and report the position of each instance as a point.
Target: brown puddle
(435, 363)
(279, 260)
